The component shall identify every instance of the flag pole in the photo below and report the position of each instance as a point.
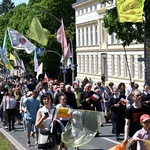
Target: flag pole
(72, 66)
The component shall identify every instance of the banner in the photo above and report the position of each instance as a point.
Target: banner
(37, 32)
(19, 41)
(130, 10)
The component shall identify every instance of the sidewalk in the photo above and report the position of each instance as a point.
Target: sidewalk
(18, 137)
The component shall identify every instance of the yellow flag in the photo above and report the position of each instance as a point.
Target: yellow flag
(37, 32)
(130, 10)
(147, 142)
(9, 66)
(11, 56)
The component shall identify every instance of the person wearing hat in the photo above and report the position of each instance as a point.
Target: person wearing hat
(142, 134)
(132, 117)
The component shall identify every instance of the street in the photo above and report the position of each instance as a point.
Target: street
(105, 140)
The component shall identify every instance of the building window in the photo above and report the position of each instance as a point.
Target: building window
(140, 68)
(96, 64)
(79, 37)
(113, 65)
(118, 65)
(87, 63)
(82, 36)
(87, 36)
(92, 64)
(83, 63)
(79, 69)
(91, 28)
(125, 66)
(132, 66)
(103, 33)
(96, 35)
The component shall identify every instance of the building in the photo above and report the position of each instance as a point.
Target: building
(99, 53)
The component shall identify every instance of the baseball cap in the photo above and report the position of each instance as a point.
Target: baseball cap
(144, 118)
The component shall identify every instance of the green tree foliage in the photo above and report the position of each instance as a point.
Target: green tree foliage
(5, 6)
(49, 13)
(128, 31)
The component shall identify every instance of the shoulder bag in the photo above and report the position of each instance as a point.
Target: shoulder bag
(46, 138)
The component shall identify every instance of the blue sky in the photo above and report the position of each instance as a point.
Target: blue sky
(18, 1)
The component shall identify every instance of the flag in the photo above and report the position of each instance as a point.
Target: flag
(130, 10)
(67, 52)
(5, 43)
(45, 78)
(121, 146)
(95, 97)
(123, 101)
(147, 143)
(63, 113)
(3, 50)
(3, 56)
(81, 127)
(39, 51)
(11, 56)
(19, 41)
(17, 61)
(37, 32)
(9, 66)
(22, 66)
(36, 65)
(61, 37)
(39, 70)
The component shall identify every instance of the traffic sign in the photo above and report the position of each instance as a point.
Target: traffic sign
(143, 59)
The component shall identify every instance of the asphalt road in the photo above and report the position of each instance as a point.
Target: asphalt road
(105, 140)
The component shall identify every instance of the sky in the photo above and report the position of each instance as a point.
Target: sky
(16, 2)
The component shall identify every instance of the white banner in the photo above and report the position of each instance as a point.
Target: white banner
(19, 41)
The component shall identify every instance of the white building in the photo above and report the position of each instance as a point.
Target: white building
(99, 53)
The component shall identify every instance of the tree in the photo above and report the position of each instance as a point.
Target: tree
(20, 19)
(127, 32)
(5, 6)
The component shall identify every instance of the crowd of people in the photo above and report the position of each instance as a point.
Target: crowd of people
(35, 103)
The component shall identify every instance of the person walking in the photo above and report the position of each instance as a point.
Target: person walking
(142, 134)
(46, 115)
(85, 98)
(10, 103)
(63, 104)
(117, 113)
(30, 107)
(132, 116)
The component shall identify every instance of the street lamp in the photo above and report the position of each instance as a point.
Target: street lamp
(71, 44)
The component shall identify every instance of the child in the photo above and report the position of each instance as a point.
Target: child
(142, 134)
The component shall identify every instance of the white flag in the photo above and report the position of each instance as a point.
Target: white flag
(39, 70)
(19, 41)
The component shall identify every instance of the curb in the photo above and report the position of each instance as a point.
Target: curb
(13, 141)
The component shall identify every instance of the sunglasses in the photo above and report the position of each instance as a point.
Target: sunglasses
(138, 95)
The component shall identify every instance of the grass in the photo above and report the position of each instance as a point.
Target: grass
(5, 144)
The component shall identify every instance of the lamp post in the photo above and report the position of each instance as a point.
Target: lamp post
(71, 44)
